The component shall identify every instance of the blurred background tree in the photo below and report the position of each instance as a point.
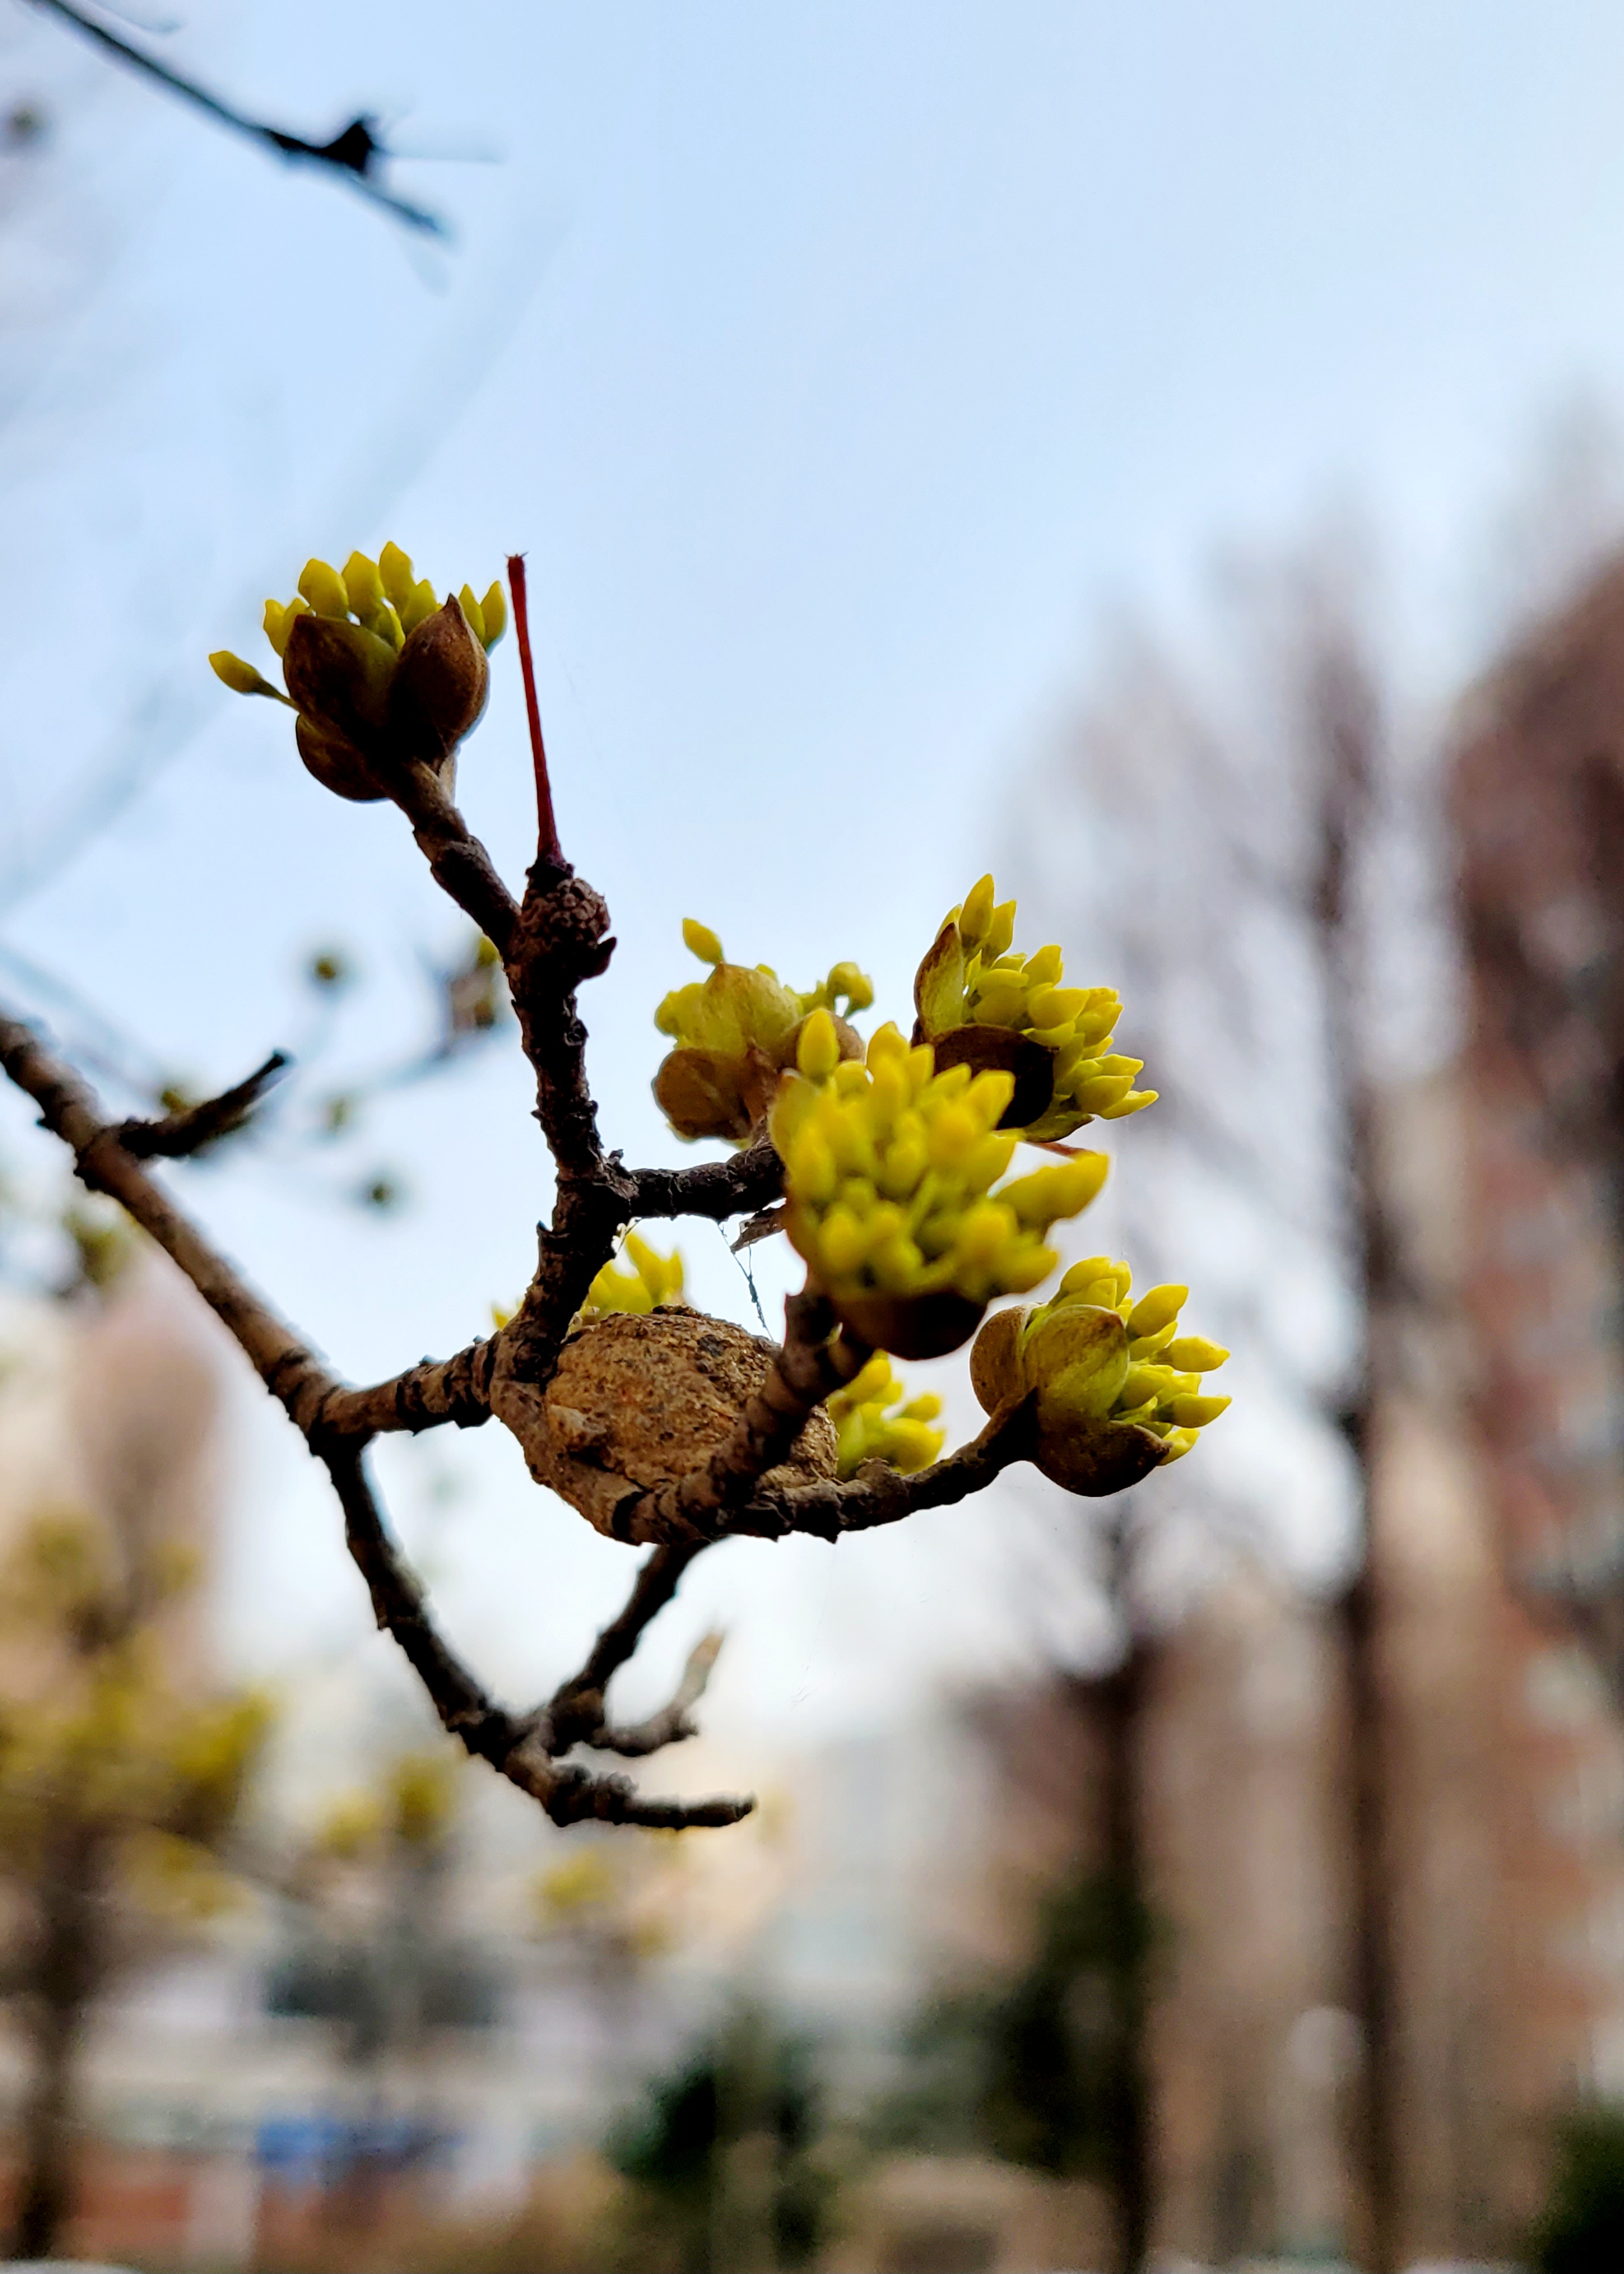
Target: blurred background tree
(726, 2163)
(124, 1765)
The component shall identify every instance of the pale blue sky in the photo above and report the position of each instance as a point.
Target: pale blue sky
(840, 368)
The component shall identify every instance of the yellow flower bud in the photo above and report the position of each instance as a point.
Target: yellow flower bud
(1106, 1413)
(700, 940)
(362, 584)
(279, 622)
(981, 1004)
(867, 1430)
(394, 568)
(818, 1053)
(652, 1279)
(324, 588)
(1194, 1354)
(241, 677)
(493, 612)
(976, 913)
(1195, 1412)
(812, 1164)
(1157, 1309)
(372, 694)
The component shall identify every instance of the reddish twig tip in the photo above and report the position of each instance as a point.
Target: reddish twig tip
(547, 846)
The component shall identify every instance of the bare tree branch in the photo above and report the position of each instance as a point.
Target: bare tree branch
(673, 1722)
(878, 1495)
(352, 154)
(178, 1135)
(316, 1403)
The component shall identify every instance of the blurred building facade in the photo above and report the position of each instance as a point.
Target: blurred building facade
(1537, 806)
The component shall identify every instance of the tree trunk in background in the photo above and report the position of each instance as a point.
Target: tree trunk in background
(1343, 726)
(1372, 1970)
(63, 1983)
(1122, 1699)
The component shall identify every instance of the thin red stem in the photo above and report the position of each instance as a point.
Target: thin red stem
(548, 846)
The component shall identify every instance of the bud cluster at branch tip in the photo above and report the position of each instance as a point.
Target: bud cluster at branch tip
(982, 1005)
(888, 1174)
(1117, 1389)
(736, 1033)
(380, 672)
(867, 1429)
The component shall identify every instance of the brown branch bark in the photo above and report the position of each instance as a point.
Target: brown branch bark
(457, 861)
(879, 1495)
(455, 1389)
(176, 1136)
(674, 1721)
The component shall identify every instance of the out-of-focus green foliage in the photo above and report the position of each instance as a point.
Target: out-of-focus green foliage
(1033, 2069)
(722, 2158)
(95, 1736)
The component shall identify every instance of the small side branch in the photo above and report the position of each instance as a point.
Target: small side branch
(673, 1722)
(178, 1135)
(657, 1584)
(879, 1495)
(70, 1110)
(351, 154)
(426, 1396)
(748, 1182)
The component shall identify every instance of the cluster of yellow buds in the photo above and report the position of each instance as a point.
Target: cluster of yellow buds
(888, 1174)
(652, 1280)
(866, 1428)
(735, 1034)
(1119, 1389)
(379, 671)
(982, 1005)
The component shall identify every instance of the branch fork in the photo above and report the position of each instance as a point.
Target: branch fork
(756, 1482)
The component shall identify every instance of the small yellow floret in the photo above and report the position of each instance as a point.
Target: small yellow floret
(652, 1280)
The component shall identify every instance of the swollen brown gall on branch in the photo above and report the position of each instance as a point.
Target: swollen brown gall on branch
(888, 1163)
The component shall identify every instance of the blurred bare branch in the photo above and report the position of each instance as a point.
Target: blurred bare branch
(353, 155)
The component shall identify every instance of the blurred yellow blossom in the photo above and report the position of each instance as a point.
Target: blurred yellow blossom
(867, 1429)
(652, 1280)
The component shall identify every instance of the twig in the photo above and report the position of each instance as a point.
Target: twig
(351, 154)
(178, 1135)
(673, 1723)
(547, 846)
(878, 1495)
(657, 1582)
(457, 861)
